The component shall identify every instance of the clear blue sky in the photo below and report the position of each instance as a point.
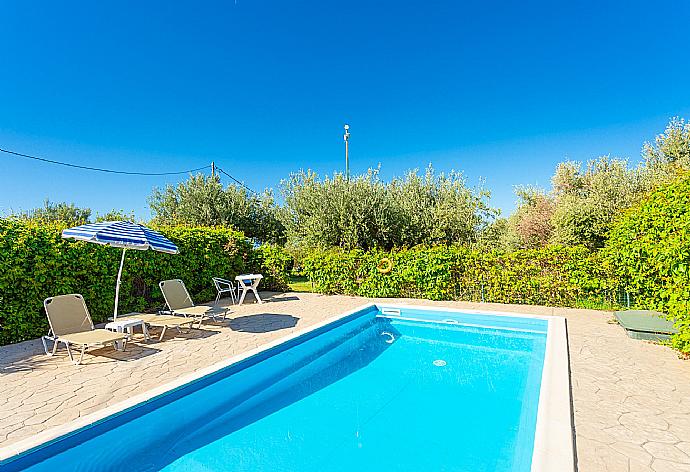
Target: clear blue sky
(499, 90)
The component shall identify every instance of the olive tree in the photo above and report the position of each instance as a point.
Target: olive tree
(670, 152)
(588, 199)
(365, 212)
(203, 201)
(61, 212)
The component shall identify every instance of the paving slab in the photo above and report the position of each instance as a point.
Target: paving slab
(631, 398)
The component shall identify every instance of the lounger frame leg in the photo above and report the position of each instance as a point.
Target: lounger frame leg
(45, 345)
(81, 355)
(69, 351)
(71, 357)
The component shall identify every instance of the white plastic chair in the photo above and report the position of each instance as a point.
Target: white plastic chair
(224, 286)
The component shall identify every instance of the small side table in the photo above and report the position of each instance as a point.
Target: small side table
(127, 324)
(249, 282)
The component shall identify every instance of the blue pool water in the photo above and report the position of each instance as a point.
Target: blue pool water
(418, 391)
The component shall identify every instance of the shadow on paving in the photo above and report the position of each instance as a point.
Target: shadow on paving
(278, 299)
(188, 334)
(26, 356)
(29, 355)
(107, 354)
(36, 358)
(267, 297)
(263, 323)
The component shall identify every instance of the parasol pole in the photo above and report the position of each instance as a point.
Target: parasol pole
(117, 287)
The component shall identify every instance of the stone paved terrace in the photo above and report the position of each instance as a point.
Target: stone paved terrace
(632, 399)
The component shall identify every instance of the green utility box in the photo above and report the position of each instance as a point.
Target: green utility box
(646, 325)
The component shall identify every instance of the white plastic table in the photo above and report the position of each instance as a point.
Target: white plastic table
(127, 324)
(249, 282)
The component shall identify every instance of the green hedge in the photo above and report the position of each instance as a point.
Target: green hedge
(555, 275)
(35, 263)
(274, 264)
(650, 249)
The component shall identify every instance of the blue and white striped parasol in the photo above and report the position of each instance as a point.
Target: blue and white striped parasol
(121, 234)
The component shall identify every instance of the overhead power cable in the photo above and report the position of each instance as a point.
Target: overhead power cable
(241, 184)
(98, 169)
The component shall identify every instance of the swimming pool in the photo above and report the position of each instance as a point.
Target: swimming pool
(379, 388)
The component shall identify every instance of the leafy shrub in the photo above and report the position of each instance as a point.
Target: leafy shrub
(35, 262)
(274, 264)
(554, 275)
(649, 248)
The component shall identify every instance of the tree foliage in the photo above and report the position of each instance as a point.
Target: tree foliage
(669, 155)
(499, 234)
(532, 220)
(365, 212)
(442, 236)
(586, 199)
(116, 215)
(204, 201)
(67, 213)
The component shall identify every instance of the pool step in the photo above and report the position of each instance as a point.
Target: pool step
(320, 367)
(388, 311)
(306, 367)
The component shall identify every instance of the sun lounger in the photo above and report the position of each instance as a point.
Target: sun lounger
(179, 302)
(71, 324)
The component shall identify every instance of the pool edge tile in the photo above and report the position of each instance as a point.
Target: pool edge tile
(554, 445)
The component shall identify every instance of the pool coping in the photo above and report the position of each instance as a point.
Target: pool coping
(554, 439)
(554, 420)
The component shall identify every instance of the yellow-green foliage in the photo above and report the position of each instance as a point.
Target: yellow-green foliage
(554, 275)
(274, 264)
(650, 250)
(35, 263)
